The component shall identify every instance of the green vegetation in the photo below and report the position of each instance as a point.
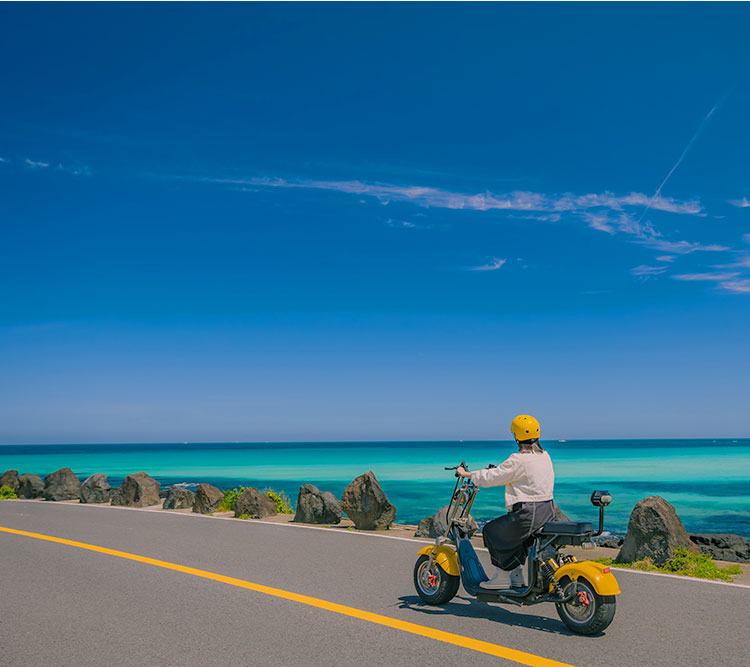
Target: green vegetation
(244, 516)
(281, 500)
(230, 497)
(6, 493)
(683, 563)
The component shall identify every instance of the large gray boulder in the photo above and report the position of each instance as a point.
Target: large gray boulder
(9, 478)
(138, 490)
(654, 531)
(207, 499)
(30, 486)
(609, 542)
(560, 515)
(254, 503)
(723, 546)
(314, 506)
(366, 504)
(62, 485)
(436, 525)
(179, 498)
(96, 489)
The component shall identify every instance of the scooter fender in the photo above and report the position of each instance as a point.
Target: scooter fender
(598, 575)
(445, 557)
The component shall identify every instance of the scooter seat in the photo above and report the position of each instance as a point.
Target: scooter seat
(566, 528)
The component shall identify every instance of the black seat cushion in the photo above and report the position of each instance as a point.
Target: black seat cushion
(566, 528)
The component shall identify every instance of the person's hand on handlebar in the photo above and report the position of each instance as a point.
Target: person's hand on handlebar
(462, 472)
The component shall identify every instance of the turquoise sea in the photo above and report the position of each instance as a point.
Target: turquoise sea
(708, 481)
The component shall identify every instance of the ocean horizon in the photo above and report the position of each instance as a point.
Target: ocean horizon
(707, 480)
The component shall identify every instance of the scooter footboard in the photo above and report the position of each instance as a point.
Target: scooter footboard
(472, 572)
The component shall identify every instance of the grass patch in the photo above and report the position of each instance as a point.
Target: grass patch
(6, 493)
(281, 500)
(683, 563)
(244, 517)
(230, 498)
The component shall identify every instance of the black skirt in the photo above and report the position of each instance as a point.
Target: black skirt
(508, 537)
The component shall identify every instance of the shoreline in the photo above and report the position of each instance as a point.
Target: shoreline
(397, 531)
(412, 476)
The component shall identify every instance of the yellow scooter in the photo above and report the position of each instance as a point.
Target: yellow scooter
(583, 591)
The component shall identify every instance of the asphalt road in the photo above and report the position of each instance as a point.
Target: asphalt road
(69, 606)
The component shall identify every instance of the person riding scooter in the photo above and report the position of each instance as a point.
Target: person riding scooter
(529, 480)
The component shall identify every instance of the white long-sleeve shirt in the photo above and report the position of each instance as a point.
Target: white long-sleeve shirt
(528, 478)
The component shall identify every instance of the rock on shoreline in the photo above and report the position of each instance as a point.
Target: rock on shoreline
(10, 479)
(654, 531)
(179, 498)
(723, 546)
(366, 504)
(207, 499)
(62, 485)
(436, 525)
(138, 490)
(30, 486)
(316, 506)
(252, 502)
(96, 489)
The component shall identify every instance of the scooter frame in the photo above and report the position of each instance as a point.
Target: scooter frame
(471, 571)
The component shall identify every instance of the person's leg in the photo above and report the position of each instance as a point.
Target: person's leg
(501, 537)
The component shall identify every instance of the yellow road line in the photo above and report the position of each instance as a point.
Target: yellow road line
(448, 637)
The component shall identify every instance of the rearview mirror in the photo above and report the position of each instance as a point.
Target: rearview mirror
(601, 498)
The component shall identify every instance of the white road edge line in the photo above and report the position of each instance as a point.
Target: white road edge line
(195, 515)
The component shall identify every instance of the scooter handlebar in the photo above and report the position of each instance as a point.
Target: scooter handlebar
(460, 465)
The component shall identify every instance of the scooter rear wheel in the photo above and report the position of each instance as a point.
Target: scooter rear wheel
(434, 585)
(590, 613)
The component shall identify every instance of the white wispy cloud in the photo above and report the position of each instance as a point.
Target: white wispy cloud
(400, 223)
(605, 211)
(741, 263)
(644, 233)
(740, 203)
(429, 197)
(646, 271)
(599, 221)
(737, 286)
(682, 247)
(494, 264)
(74, 169)
(713, 277)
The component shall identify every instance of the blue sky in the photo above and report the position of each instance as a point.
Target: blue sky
(402, 221)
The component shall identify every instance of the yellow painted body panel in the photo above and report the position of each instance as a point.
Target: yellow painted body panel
(446, 557)
(603, 582)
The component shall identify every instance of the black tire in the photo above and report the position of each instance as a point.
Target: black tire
(589, 616)
(435, 591)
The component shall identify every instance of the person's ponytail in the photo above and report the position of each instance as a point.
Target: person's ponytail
(530, 446)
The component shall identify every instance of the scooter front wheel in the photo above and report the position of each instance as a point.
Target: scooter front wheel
(588, 613)
(434, 585)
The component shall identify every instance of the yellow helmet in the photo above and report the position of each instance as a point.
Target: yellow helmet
(524, 427)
